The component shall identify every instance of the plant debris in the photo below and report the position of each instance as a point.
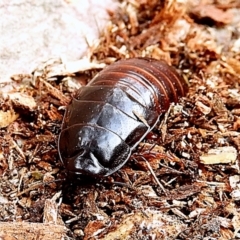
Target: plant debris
(220, 155)
(183, 181)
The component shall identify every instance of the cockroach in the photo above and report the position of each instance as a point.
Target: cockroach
(113, 113)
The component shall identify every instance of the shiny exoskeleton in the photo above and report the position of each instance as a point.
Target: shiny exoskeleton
(114, 112)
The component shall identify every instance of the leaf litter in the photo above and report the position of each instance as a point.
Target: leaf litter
(182, 182)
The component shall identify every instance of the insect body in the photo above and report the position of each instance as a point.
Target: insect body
(114, 112)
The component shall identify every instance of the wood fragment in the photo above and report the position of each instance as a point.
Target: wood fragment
(23, 101)
(25, 230)
(8, 117)
(55, 92)
(134, 223)
(220, 155)
(213, 12)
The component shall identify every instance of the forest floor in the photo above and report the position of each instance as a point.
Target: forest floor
(183, 182)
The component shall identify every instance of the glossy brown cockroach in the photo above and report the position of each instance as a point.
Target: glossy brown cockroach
(114, 112)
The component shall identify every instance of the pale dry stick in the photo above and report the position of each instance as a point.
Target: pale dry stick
(155, 177)
(236, 232)
(18, 149)
(139, 180)
(179, 213)
(20, 183)
(170, 168)
(219, 184)
(169, 182)
(10, 160)
(34, 153)
(56, 196)
(34, 186)
(73, 219)
(141, 118)
(163, 125)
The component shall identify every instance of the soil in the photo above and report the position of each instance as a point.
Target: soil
(182, 182)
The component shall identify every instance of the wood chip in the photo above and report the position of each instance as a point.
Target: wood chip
(25, 231)
(55, 92)
(220, 155)
(6, 118)
(23, 101)
(234, 180)
(212, 12)
(203, 108)
(151, 220)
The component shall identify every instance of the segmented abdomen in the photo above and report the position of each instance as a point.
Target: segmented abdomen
(127, 99)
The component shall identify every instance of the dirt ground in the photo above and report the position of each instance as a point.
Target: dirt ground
(182, 182)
